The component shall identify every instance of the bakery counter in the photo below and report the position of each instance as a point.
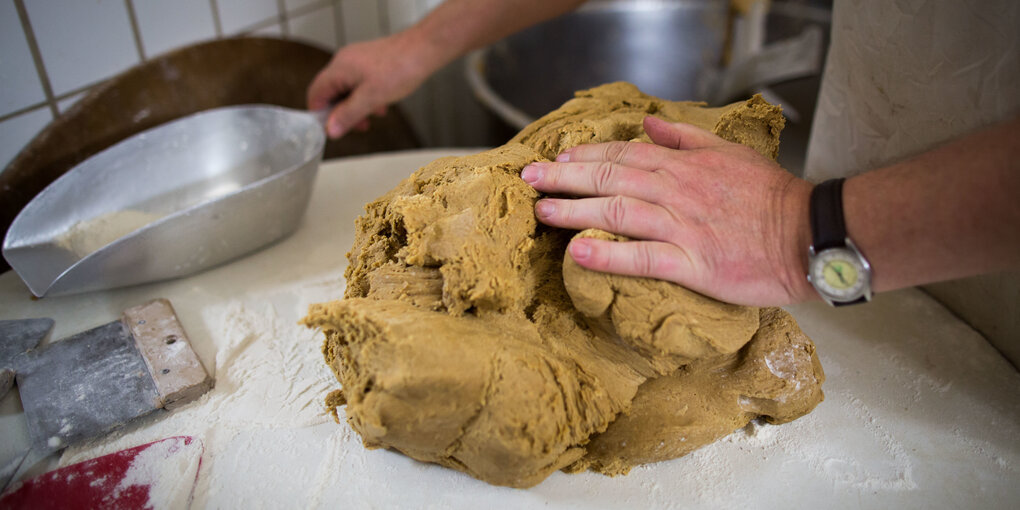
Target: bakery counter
(919, 409)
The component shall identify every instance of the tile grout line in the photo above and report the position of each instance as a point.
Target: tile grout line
(83, 88)
(268, 22)
(340, 35)
(308, 8)
(52, 99)
(281, 15)
(22, 111)
(56, 99)
(135, 31)
(258, 25)
(383, 11)
(217, 25)
(33, 47)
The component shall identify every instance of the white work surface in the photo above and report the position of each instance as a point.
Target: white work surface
(920, 411)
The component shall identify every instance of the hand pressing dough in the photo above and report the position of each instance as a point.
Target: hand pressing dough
(464, 339)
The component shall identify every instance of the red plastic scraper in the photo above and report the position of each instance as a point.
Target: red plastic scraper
(160, 474)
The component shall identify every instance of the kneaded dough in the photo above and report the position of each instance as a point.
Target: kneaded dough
(467, 339)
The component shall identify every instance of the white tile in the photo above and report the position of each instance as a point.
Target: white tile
(82, 42)
(16, 132)
(19, 81)
(292, 5)
(168, 25)
(238, 15)
(403, 13)
(360, 20)
(65, 104)
(317, 27)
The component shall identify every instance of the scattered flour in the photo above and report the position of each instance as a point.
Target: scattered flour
(269, 444)
(169, 468)
(914, 398)
(269, 378)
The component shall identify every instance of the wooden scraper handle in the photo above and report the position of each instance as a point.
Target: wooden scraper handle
(163, 344)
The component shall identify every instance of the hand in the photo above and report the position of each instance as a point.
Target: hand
(708, 214)
(368, 76)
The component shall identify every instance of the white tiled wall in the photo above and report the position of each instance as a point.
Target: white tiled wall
(166, 25)
(317, 27)
(53, 51)
(238, 15)
(82, 42)
(19, 130)
(18, 79)
(357, 22)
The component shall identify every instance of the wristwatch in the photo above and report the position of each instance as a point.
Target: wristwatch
(836, 267)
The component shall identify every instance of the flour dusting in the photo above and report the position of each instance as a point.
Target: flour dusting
(169, 469)
(269, 379)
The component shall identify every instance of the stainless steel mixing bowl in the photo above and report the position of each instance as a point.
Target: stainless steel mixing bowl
(668, 48)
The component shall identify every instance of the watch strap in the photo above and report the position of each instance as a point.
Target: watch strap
(859, 300)
(828, 229)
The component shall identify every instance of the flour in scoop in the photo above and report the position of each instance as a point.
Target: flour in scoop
(85, 237)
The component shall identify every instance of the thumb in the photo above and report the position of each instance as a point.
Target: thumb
(679, 135)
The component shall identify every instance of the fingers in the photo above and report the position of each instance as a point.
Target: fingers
(328, 85)
(621, 215)
(644, 156)
(651, 259)
(593, 179)
(679, 136)
(351, 113)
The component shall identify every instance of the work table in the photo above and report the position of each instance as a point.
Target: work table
(920, 410)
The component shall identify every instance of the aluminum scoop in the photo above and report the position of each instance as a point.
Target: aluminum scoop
(170, 201)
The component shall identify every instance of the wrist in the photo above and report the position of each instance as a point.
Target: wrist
(795, 238)
(428, 46)
(837, 268)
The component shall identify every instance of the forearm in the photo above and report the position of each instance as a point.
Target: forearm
(948, 213)
(458, 26)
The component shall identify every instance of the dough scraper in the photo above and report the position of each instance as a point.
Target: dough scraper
(90, 383)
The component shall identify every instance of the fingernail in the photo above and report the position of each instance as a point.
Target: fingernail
(531, 173)
(580, 250)
(544, 208)
(563, 157)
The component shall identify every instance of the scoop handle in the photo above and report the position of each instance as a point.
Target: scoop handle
(321, 115)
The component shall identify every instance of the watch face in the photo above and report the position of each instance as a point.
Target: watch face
(839, 274)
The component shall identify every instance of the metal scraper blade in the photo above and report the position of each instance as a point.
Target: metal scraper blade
(85, 386)
(17, 337)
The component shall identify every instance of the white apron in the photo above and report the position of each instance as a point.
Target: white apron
(904, 76)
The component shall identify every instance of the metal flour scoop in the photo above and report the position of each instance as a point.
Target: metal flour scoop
(170, 201)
